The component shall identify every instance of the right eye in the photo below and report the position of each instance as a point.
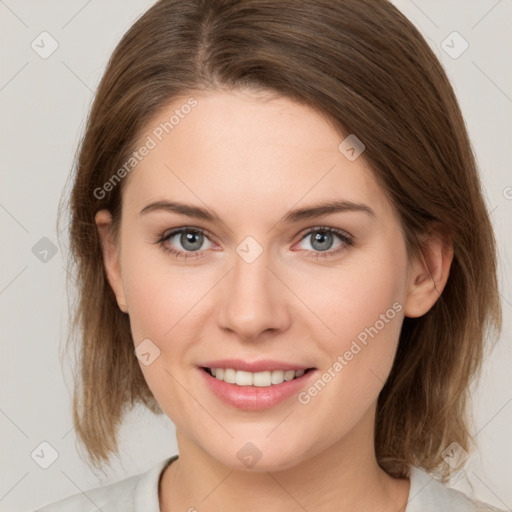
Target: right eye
(191, 241)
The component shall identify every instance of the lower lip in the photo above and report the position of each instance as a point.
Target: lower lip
(254, 398)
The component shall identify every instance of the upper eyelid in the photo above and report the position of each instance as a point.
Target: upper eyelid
(171, 232)
(336, 231)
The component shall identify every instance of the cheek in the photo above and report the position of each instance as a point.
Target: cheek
(367, 323)
(162, 306)
(367, 293)
(370, 307)
(363, 309)
(159, 294)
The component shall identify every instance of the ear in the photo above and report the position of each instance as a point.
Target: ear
(103, 220)
(428, 273)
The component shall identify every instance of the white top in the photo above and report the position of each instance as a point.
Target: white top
(139, 493)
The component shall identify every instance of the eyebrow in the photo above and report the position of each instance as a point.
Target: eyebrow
(291, 217)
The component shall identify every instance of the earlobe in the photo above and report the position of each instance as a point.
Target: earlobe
(429, 273)
(103, 220)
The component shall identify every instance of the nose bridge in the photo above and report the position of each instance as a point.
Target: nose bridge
(252, 302)
(250, 272)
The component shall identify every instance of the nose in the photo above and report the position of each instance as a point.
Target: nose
(254, 302)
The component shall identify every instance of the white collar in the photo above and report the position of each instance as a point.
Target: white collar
(426, 494)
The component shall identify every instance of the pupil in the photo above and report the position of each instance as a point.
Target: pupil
(187, 240)
(322, 236)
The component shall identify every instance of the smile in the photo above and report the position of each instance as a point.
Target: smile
(257, 385)
(258, 379)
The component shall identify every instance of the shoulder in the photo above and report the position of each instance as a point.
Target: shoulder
(429, 495)
(123, 496)
(109, 498)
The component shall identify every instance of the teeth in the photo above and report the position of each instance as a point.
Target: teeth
(289, 375)
(258, 379)
(262, 379)
(243, 378)
(277, 376)
(229, 375)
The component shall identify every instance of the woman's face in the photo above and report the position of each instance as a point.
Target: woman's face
(264, 283)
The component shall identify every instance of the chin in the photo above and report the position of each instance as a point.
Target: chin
(259, 455)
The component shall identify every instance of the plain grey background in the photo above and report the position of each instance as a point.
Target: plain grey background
(44, 101)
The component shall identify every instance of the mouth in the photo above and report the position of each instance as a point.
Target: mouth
(261, 379)
(267, 385)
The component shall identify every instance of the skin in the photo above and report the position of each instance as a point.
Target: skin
(237, 153)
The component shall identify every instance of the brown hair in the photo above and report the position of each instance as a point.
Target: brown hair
(369, 71)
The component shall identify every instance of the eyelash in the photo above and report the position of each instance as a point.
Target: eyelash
(346, 239)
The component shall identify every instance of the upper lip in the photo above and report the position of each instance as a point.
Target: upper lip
(262, 365)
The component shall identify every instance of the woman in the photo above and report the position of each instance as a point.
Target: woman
(281, 243)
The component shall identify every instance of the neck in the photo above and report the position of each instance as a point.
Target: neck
(345, 476)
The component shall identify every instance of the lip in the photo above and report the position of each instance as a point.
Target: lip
(254, 398)
(263, 365)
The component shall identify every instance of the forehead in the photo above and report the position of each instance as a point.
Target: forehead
(256, 151)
